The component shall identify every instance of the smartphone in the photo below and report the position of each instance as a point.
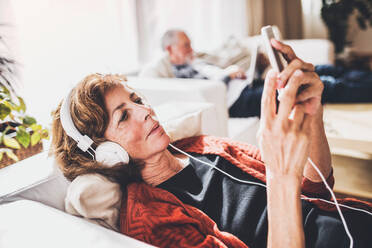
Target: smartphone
(274, 56)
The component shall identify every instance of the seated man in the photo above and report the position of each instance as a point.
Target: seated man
(180, 62)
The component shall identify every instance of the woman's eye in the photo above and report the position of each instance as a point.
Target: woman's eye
(124, 116)
(138, 100)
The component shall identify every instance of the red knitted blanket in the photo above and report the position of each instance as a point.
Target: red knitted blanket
(157, 217)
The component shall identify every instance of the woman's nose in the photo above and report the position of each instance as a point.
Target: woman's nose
(145, 112)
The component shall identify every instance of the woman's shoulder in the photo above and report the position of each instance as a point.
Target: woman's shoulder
(93, 196)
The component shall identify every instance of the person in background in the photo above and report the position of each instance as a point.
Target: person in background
(179, 62)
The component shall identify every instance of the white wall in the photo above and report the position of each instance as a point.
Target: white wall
(60, 42)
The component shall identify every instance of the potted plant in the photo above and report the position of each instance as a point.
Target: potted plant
(20, 134)
(335, 15)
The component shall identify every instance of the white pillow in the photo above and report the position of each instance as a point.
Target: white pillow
(95, 198)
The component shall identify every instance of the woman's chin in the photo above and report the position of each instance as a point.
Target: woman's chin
(164, 141)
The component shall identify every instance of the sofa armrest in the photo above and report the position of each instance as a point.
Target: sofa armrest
(27, 223)
(164, 90)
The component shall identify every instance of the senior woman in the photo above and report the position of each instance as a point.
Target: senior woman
(172, 201)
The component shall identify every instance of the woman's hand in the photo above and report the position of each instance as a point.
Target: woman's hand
(284, 145)
(284, 142)
(310, 93)
(310, 98)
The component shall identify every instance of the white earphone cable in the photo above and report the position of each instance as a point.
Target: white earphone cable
(334, 200)
(304, 197)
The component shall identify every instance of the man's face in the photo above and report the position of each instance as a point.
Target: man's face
(181, 51)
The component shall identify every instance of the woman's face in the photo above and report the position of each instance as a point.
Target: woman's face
(131, 124)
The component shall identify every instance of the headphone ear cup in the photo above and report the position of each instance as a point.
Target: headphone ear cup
(110, 153)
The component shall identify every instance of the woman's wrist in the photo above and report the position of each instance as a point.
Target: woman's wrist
(284, 211)
(283, 178)
(284, 181)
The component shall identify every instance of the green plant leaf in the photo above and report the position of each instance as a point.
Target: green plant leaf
(35, 127)
(35, 138)
(4, 111)
(28, 120)
(45, 134)
(9, 104)
(3, 134)
(4, 89)
(11, 142)
(11, 155)
(23, 137)
(22, 128)
(2, 95)
(22, 105)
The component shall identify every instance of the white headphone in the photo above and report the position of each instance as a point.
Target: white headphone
(108, 153)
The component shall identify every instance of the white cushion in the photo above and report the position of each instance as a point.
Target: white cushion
(94, 197)
(31, 224)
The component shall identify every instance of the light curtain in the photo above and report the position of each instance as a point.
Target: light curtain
(285, 14)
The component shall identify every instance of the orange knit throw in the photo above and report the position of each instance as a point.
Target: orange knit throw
(157, 217)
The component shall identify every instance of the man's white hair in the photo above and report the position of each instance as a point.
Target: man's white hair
(170, 37)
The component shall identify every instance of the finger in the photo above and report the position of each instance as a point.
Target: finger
(268, 101)
(311, 105)
(286, 50)
(288, 95)
(308, 67)
(288, 71)
(297, 116)
(291, 68)
(314, 87)
(306, 123)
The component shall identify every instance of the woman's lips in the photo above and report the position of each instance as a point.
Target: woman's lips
(155, 129)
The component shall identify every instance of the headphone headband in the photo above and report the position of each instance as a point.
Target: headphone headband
(83, 142)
